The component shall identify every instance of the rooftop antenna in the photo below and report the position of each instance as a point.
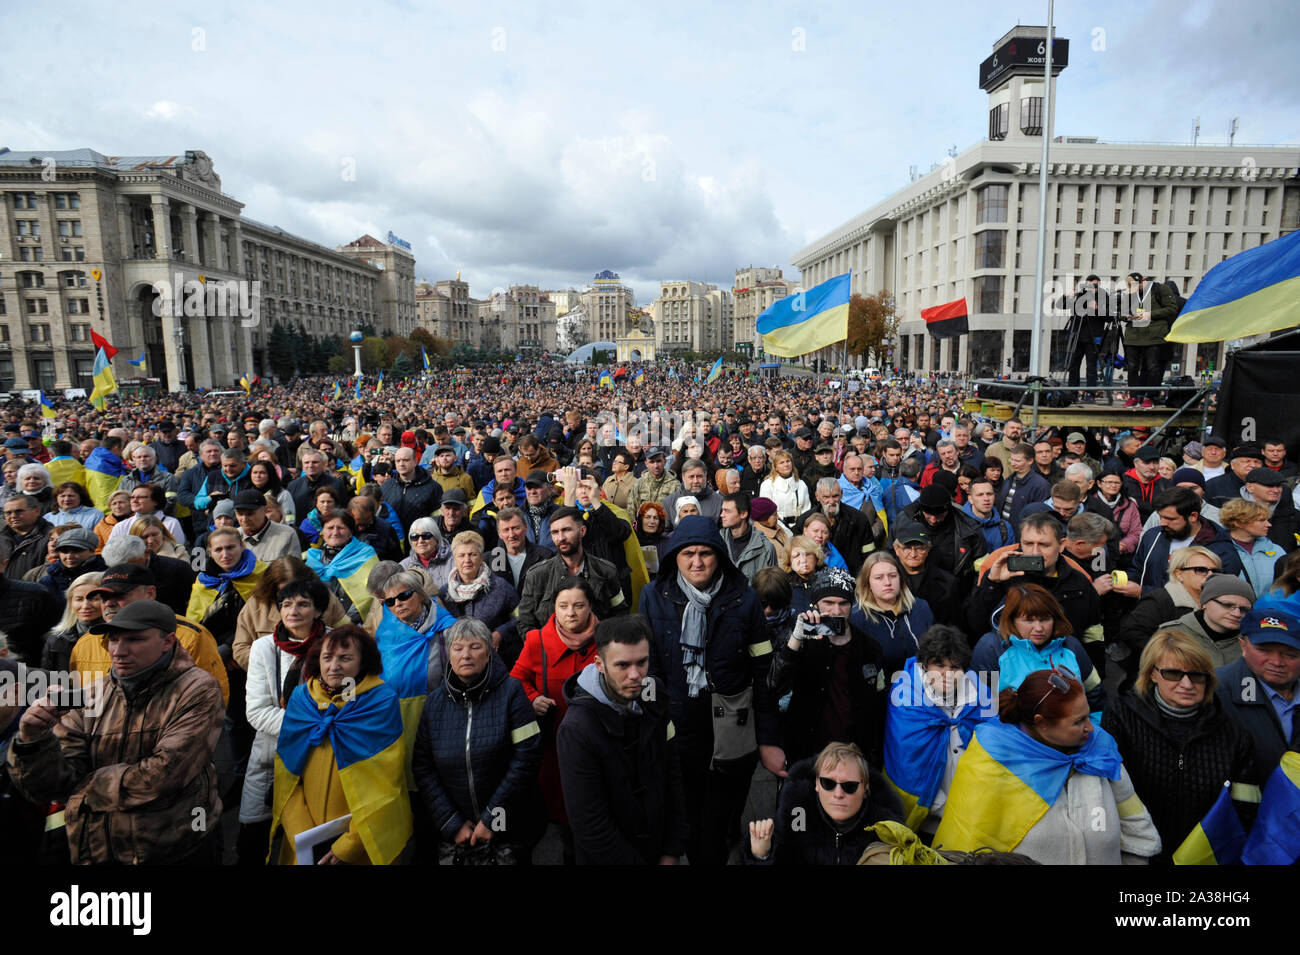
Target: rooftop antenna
(1196, 131)
(1232, 130)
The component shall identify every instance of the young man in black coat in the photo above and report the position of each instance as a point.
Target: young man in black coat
(618, 762)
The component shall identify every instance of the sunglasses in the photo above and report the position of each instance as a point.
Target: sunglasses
(1058, 681)
(421, 537)
(404, 595)
(829, 785)
(1201, 571)
(1198, 677)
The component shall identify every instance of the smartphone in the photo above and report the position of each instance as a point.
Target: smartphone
(836, 625)
(1027, 562)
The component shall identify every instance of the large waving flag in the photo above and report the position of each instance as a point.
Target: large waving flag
(338, 391)
(105, 381)
(715, 371)
(425, 356)
(639, 377)
(99, 341)
(47, 409)
(946, 321)
(380, 386)
(1251, 293)
(1275, 837)
(104, 471)
(137, 362)
(605, 380)
(1217, 839)
(245, 384)
(806, 321)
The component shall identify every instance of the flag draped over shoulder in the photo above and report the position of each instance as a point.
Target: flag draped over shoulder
(946, 321)
(365, 734)
(104, 471)
(1251, 293)
(105, 381)
(1007, 780)
(916, 741)
(351, 568)
(1275, 837)
(1217, 839)
(405, 653)
(807, 321)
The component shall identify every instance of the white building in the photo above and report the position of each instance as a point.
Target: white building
(968, 227)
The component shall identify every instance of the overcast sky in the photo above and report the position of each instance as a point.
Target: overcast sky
(662, 140)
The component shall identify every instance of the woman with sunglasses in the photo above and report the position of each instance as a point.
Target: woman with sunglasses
(1045, 749)
(1177, 741)
(826, 804)
(1034, 634)
(429, 552)
(1189, 569)
(1225, 601)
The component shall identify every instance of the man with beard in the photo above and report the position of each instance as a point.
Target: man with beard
(542, 582)
(1181, 525)
(854, 533)
(1012, 434)
(695, 482)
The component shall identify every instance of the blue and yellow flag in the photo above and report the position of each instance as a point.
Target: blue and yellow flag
(380, 386)
(639, 377)
(1251, 293)
(243, 383)
(351, 568)
(365, 734)
(806, 321)
(1217, 839)
(1007, 780)
(715, 371)
(405, 654)
(1275, 837)
(425, 356)
(105, 382)
(47, 409)
(358, 389)
(338, 391)
(104, 471)
(605, 380)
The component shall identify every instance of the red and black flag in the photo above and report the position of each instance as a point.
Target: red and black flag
(946, 321)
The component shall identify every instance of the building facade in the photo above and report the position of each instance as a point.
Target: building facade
(605, 303)
(693, 317)
(396, 266)
(968, 227)
(519, 319)
(754, 291)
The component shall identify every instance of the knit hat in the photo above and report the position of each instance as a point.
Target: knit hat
(761, 508)
(935, 498)
(1185, 475)
(946, 480)
(831, 582)
(1223, 585)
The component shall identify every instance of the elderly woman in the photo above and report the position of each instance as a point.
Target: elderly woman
(687, 505)
(1044, 749)
(1248, 524)
(472, 590)
(275, 663)
(35, 482)
(887, 611)
(341, 752)
(560, 649)
(1175, 738)
(74, 506)
(229, 577)
(429, 551)
(10, 486)
(726, 480)
(477, 753)
(158, 538)
(621, 480)
(827, 802)
(119, 510)
(817, 526)
(806, 558)
(344, 564)
(785, 489)
(261, 612)
(1189, 569)
(83, 608)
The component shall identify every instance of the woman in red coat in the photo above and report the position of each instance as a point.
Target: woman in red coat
(561, 648)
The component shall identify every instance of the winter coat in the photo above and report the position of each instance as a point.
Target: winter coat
(477, 751)
(622, 779)
(1257, 563)
(1245, 699)
(1124, 515)
(895, 634)
(258, 618)
(1179, 766)
(132, 772)
(29, 550)
(710, 504)
(807, 674)
(537, 602)
(57, 579)
(90, 655)
(303, 491)
(997, 531)
(1071, 587)
(265, 712)
(855, 533)
(174, 580)
(1222, 648)
(159, 477)
(1030, 489)
(818, 841)
(1014, 658)
(1152, 610)
(757, 554)
(216, 482)
(499, 562)
(454, 478)
(779, 537)
(1144, 493)
(496, 608)
(543, 667)
(189, 482)
(955, 544)
(1151, 560)
(788, 493)
(28, 612)
(737, 653)
(1161, 308)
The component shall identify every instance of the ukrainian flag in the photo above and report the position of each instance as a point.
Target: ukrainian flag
(105, 382)
(605, 380)
(1275, 837)
(365, 735)
(715, 371)
(47, 409)
(243, 383)
(804, 322)
(639, 377)
(1217, 839)
(351, 568)
(1007, 780)
(104, 471)
(380, 387)
(338, 391)
(1251, 293)
(405, 654)
(358, 391)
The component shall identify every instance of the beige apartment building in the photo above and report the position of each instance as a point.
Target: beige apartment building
(183, 278)
(754, 291)
(519, 319)
(968, 227)
(605, 303)
(396, 265)
(693, 317)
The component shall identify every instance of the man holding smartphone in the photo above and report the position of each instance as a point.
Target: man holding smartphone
(833, 670)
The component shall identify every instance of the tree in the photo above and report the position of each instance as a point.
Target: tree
(374, 354)
(402, 367)
(339, 365)
(280, 352)
(396, 345)
(871, 323)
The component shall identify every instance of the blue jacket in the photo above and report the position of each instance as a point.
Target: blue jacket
(478, 751)
(997, 532)
(897, 636)
(1151, 559)
(1257, 566)
(217, 481)
(896, 500)
(1015, 658)
(1031, 489)
(737, 651)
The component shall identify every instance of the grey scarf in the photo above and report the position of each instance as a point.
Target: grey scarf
(694, 622)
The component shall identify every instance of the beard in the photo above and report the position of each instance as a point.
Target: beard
(1182, 535)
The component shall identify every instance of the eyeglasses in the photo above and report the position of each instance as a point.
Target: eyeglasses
(1201, 571)
(1231, 608)
(1198, 677)
(850, 786)
(1058, 681)
(421, 537)
(404, 595)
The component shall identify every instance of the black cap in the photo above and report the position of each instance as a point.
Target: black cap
(455, 496)
(123, 578)
(911, 533)
(140, 615)
(1247, 451)
(1148, 453)
(1215, 440)
(804, 434)
(292, 428)
(166, 425)
(538, 478)
(249, 500)
(491, 445)
(1265, 476)
(823, 449)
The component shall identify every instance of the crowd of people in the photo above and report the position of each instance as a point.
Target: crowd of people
(457, 620)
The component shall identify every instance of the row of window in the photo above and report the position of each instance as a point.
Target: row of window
(68, 228)
(62, 200)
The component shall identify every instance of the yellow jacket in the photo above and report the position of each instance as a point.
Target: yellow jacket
(90, 655)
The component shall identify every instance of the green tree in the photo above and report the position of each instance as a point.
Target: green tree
(338, 365)
(374, 354)
(403, 367)
(280, 352)
(872, 322)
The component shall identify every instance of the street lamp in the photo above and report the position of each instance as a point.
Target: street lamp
(356, 338)
(180, 353)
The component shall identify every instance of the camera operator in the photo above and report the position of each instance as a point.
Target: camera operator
(1090, 309)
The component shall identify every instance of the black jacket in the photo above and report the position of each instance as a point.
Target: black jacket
(1179, 770)
(1072, 589)
(808, 672)
(411, 501)
(174, 580)
(854, 533)
(29, 550)
(622, 779)
(955, 544)
(28, 611)
(499, 562)
(816, 841)
(938, 588)
(1245, 698)
(303, 491)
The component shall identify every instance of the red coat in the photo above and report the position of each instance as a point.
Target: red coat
(561, 663)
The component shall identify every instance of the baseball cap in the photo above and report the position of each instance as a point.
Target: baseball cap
(1271, 626)
(1265, 476)
(166, 426)
(77, 539)
(249, 500)
(538, 478)
(1215, 440)
(123, 578)
(224, 508)
(455, 496)
(804, 434)
(140, 615)
(15, 444)
(1075, 436)
(823, 449)
(911, 533)
(655, 452)
(444, 447)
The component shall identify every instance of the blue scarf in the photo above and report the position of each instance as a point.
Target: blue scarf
(224, 580)
(363, 726)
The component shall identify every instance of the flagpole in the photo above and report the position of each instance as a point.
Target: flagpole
(1036, 336)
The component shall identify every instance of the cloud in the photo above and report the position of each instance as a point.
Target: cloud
(163, 109)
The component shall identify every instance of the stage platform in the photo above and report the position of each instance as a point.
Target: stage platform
(1100, 416)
